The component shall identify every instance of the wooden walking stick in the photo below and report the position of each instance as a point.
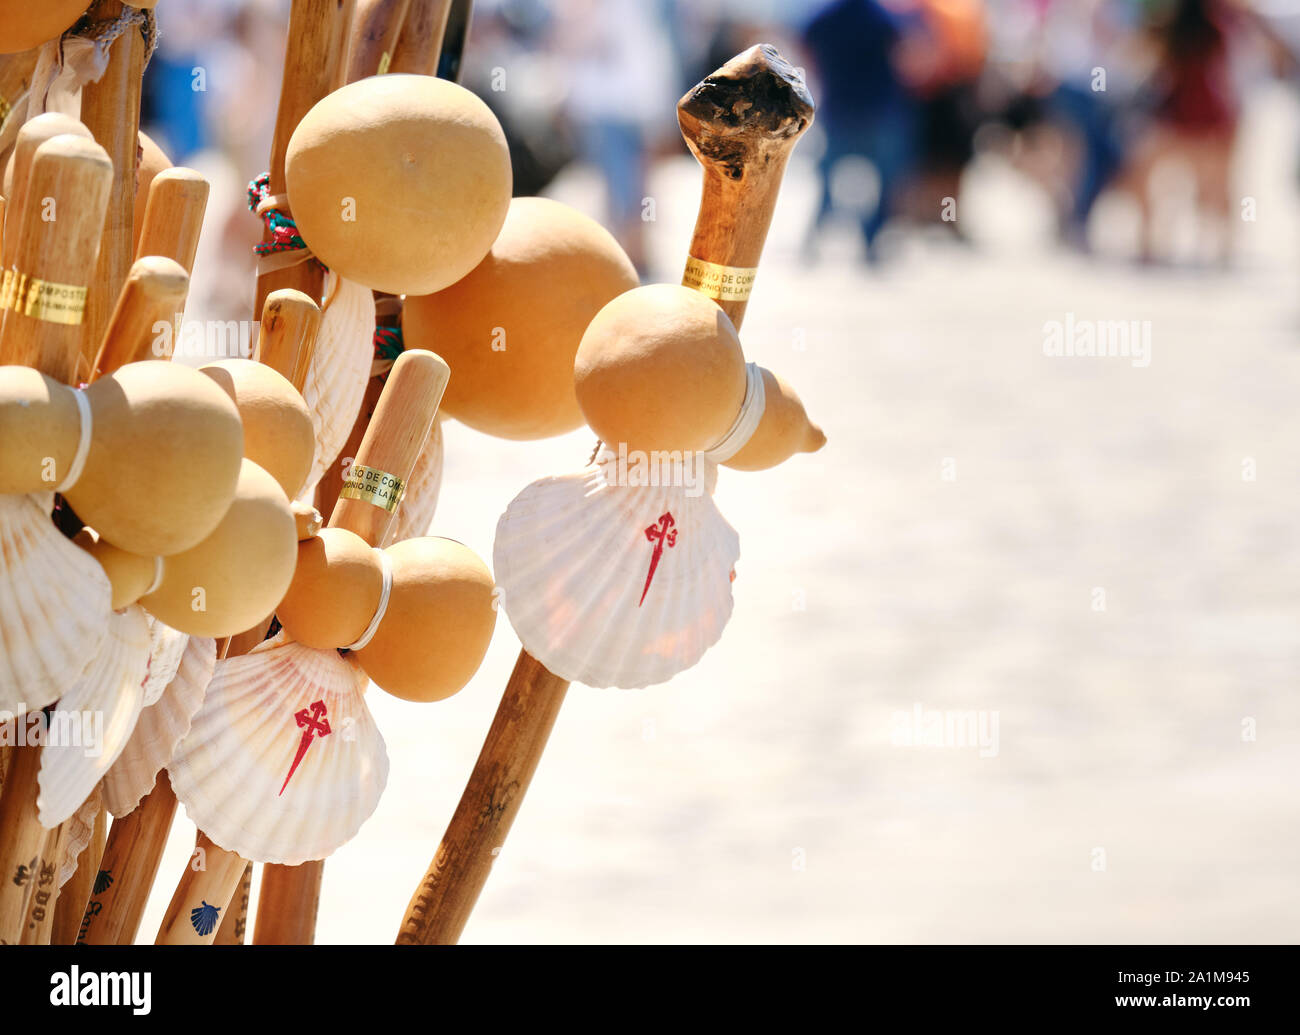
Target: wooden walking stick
(402, 422)
(375, 28)
(742, 122)
(419, 45)
(77, 892)
(173, 216)
(313, 66)
(44, 293)
(154, 291)
(136, 841)
(110, 108)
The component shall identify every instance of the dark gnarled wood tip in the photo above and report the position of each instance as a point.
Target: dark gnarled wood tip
(753, 103)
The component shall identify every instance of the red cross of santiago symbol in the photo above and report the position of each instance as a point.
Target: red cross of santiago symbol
(313, 723)
(662, 533)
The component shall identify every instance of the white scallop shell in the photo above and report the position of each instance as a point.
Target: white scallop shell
(573, 558)
(166, 646)
(81, 831)
(235, 770)
(415, 514)
(339, 370)
(160, 728)
(55, 602)
(111, 695)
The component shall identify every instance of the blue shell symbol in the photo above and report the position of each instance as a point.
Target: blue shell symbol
(103, 881)
(204, 918)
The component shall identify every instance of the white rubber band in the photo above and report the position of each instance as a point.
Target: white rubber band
(751, 412)
(387, 566)
(157, 577)
(83, 443)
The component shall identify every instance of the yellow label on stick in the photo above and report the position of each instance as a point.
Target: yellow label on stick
(53, 303)
(42, 299)
(725, 283)
(371, 485)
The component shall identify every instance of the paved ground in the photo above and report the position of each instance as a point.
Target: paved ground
(945, 550)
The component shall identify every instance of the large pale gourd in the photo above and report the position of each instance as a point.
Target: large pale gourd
(335, 590)
(510, 328)
(660, 368)
(38, 431)
(236, 576)
(164, 458)
(25, 24)
(438, 624)
(399, 182)
(278, 434)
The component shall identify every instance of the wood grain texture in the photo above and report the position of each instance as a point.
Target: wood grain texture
(442, 904)
(211, 878)
(56, 241)
(154, 293)
(741, 123)
(420, 42)
(44, 894)
(75, 895)
(32, 135)
(286, 337)
(234, 924)
(110, 108)
(132, 855)
(173, 216)
(376, 25)
(22, 842)
(287, 903)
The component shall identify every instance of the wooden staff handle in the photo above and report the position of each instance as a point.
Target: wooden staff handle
(741, 122)
(77, 892)
(173, 216)
(313, 67)
(376, 25)
(287, 904)
(54, 255)
(208, 884)
(22, 842)
(32, 135)
(110, 108)
(401, 425)
(286, 339)
(130, 863)
(420, 42)
(442, 904)
(154, 294)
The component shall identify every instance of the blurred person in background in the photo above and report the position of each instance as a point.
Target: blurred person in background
(941, 58)
(621, 99)
(864, 108)
(1195, 107)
